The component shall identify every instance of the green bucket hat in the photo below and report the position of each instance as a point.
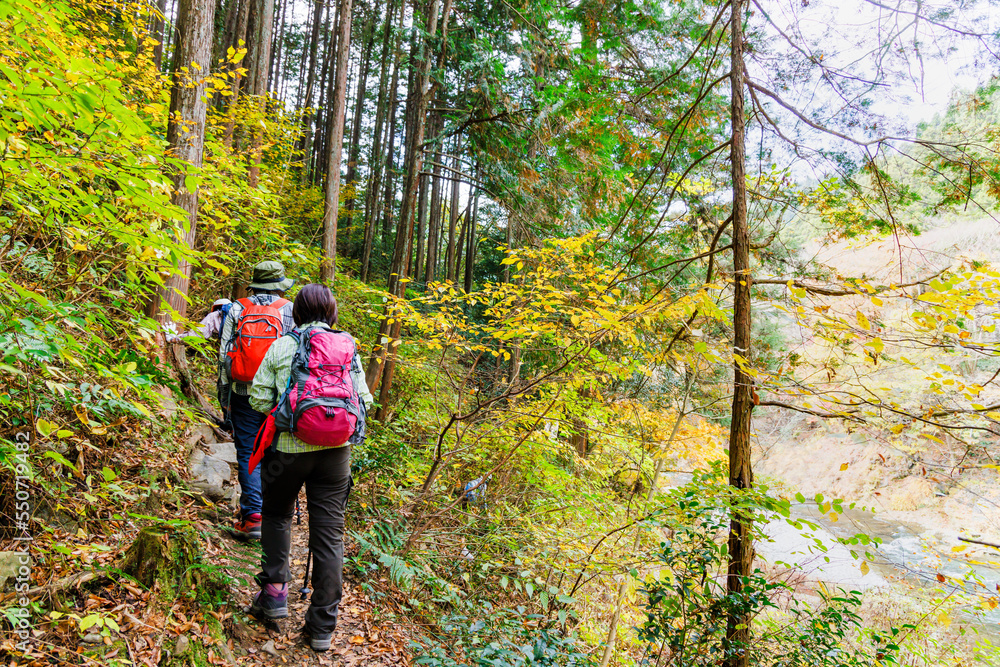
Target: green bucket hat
(270, 276)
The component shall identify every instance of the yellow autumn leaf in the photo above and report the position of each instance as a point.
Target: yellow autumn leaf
(843, 467)
(864, 568)
(863, 321)
(959, 548)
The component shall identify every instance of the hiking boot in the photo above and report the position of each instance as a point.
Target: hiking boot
(318, 641)
(271, 603)
(248, 529)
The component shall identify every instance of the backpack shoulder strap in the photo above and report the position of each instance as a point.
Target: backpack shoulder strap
(279, 303)
(245, 302)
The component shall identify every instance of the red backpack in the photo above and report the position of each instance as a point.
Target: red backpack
(256, 329)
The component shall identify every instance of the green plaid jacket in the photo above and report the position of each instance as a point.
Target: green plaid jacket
(272, 378)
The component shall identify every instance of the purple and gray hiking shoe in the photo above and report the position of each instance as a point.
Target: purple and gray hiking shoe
(271, 602)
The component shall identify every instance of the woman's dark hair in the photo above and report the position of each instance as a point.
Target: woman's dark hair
(314, 303)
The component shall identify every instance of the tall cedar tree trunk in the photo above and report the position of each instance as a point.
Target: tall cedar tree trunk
(307, 120)
(300, 87)
(224, 39)
(354, 152)
(277, 42)
(740, 472)
(186, 134)
(422, 204)
(171, 28)
(239, 35)
(390, 186)
(434, 226)
(157, 33)
(259, 45)
(417, 104)
(460, 247)
(470, 249)
(453, 212)
(318, 149)
(260, 64)
(389, 193)
(335, 127)
(376, 159)
(325, 84)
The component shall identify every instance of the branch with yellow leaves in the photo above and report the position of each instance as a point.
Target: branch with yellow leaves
(831, 291)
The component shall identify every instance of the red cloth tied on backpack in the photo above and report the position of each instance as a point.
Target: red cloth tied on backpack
(265, 438)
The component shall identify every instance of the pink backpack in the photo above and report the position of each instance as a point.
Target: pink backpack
(321, 406)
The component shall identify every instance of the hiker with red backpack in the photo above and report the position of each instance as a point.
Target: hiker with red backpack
(312, 384)
(249, 329)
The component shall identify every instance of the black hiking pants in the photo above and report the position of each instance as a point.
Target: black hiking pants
(327, 476)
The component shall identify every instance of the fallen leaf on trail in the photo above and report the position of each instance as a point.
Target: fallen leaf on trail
(357, 639)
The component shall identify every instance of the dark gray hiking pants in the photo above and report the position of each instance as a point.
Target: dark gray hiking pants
(327, 476)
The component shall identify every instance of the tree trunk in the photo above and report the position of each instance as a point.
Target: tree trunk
(470, 249)
(224, 40)
(331, 81)
(414, 163)
(740, 473)
(157, 33)
(259, 64)
(422, 205)
(389, 196)
(453, 214)
(335, 127)
(319, 131)
(376, 159)
(300, 88)
(307, 121)
(186, 134)
(277, 44)
(434, 226)
(259, 56)
(238, 41)
(510, 246)
(354, 152)
(417, 113)
(171, 28)
(460, 247)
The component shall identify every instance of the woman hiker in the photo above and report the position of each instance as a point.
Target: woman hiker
(291, 462)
